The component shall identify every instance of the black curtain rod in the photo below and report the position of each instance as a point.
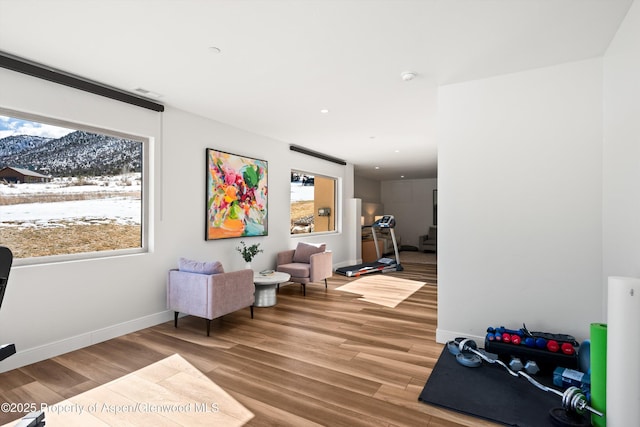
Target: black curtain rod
(308, 152)
(24, 66)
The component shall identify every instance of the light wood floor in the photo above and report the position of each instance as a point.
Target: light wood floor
(324, 359)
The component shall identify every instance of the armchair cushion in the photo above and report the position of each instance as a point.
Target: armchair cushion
(296, 270)
(191, 266)
(304, 251)
(285, 257)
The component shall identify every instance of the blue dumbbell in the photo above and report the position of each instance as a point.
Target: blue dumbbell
(516, 364)
(531, 367)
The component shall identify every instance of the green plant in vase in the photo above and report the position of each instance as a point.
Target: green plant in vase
(248, 252)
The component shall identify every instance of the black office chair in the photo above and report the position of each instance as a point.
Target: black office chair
(6, 259)
(33, 419)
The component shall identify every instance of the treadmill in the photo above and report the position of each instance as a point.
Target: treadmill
(382, 265)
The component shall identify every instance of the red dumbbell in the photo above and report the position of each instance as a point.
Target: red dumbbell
(567, 348)
(515, 339)
(506, 338)
(553, 346)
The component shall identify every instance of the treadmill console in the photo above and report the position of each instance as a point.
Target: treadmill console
(387, 221)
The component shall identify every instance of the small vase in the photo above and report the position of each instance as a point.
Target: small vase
(248, 265)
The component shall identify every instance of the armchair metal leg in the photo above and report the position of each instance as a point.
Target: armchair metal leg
(251, 311)
(304, 289)
(325, 284)
(175, 319)
(208, 326)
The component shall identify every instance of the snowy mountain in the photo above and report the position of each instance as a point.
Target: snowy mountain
(78, 153)
(17, 144)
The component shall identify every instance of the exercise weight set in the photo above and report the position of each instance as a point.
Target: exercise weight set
(574, 402)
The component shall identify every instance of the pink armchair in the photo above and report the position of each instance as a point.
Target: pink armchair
(205, 290)
(306, 264)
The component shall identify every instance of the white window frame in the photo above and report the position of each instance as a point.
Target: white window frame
(336, 205)
(144, 196)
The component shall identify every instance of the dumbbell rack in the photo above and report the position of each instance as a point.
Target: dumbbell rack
(547, 361)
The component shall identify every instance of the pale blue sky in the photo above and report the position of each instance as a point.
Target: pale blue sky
(10, 126)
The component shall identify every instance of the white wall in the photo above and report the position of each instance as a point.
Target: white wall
(186, 138)
(520, 213)
(368, 190)
(621, 214)
(411, 202)
(54, 308)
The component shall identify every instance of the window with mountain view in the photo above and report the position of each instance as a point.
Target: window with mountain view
(67, 191)
(313, 206)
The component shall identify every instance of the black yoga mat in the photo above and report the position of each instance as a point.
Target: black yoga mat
(489, 392)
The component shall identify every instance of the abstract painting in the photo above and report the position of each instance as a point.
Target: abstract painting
(236, 196)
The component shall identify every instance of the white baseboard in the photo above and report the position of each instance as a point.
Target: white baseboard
(56, 348)
(443, 336)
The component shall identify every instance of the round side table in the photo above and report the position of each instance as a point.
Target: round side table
(265, 294)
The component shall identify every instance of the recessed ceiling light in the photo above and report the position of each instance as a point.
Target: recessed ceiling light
(377, 167)
(324, 111)
(408, 75)
(396, 151)
(214, 49)
(401, 176)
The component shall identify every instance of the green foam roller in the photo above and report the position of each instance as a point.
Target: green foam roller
(598, 365)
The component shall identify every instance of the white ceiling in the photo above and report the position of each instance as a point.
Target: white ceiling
(281, 62)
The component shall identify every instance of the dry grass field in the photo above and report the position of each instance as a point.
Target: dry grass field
(300, 210)
(67, 197)
(70, 239)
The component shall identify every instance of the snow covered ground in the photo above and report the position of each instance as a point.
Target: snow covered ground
(124, 211)
(112, 208)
